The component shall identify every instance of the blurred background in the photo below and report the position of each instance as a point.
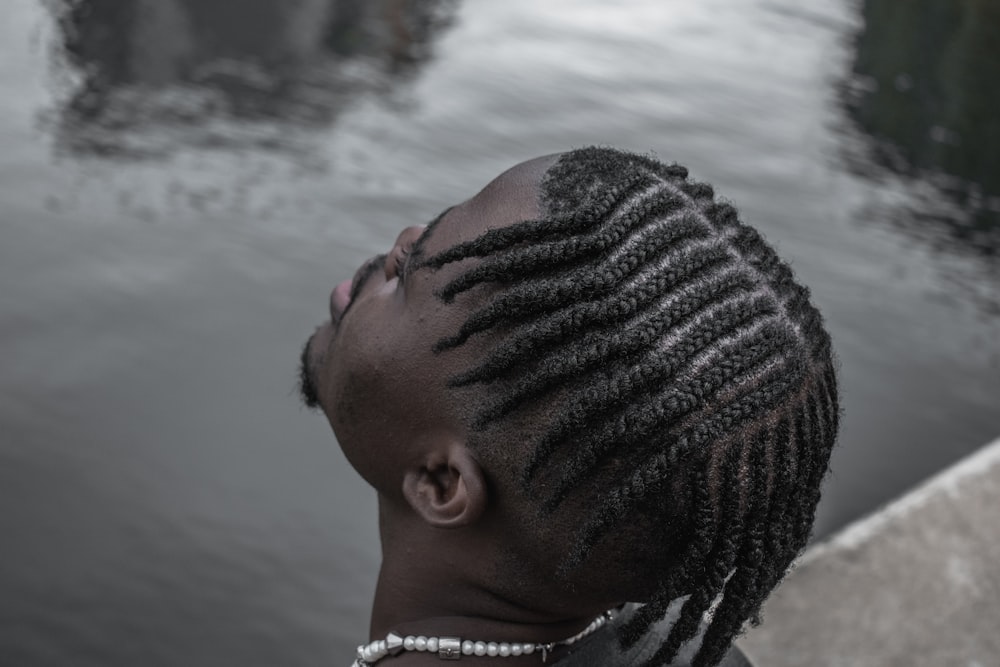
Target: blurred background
(182, 182)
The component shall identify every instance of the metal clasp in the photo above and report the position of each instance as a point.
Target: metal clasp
(450, 648)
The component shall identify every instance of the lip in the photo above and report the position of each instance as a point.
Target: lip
(344, 293)
(340, 297)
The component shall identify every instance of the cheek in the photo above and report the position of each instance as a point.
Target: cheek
(383, 385)
(357, 387)
(366, 405)
(362, 435)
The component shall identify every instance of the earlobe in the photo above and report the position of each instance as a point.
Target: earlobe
(449, 490)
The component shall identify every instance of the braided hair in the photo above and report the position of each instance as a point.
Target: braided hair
(688, 385)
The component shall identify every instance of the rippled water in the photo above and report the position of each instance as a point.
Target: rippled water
(183, 181)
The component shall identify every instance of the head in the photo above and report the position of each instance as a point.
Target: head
(602, 379)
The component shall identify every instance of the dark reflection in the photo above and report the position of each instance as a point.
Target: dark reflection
(924, 87)
(155, 74)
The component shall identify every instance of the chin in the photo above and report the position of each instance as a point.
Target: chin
(310, 362)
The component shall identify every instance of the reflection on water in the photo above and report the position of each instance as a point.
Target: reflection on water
(924, 86)
(153, 74)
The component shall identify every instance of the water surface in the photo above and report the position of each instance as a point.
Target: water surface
(182, 182)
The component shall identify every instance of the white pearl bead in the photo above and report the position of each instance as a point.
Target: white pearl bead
(504, 649)
(479, 648)
(492, 649)
(529, 649)
(409, 642)
(432, 644)
(468, 647)
(515, 649)
(421, 643)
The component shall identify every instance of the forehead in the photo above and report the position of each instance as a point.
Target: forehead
(511, 197)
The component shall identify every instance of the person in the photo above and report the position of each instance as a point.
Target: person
(596, 409)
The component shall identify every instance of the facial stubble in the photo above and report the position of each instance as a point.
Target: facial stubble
(308, 390)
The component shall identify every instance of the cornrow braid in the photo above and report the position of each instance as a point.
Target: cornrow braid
(686, 381)
(539, 230)
(679, 398)
(528, 299)
(600, 346)
(547, 254)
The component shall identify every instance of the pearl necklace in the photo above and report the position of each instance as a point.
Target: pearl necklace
(453, 648)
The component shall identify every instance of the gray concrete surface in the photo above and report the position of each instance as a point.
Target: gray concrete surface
(916, 583)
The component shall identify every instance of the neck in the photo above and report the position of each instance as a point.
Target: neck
(440, 583)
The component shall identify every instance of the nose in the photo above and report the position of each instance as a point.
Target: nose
(401, 248)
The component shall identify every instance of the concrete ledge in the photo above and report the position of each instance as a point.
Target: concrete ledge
(916, 583)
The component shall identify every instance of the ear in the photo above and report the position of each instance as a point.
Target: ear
(449, 489)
